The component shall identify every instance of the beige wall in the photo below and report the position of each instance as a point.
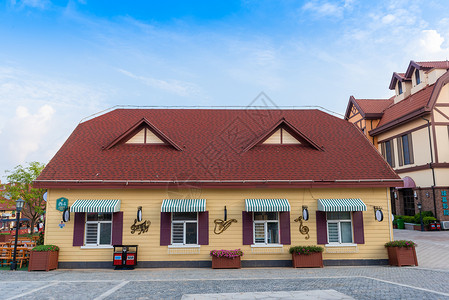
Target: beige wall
(376, 233)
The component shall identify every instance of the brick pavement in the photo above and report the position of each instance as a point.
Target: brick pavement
(381, 282)
(433, 247)
(428, 281)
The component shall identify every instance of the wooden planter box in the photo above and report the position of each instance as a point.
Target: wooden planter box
(5, 237)
(401, 256)
(43, 260)
(226, 263)
(314, 260)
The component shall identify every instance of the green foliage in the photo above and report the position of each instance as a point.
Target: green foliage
(428, 220)
(401, 244)
(40, 240)
(305, 250)
(21, 187)
(426, 213)
(5, 233)
(41, 248)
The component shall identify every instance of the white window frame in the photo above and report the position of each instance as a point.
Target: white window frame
(265, 222)
(98, 232)
(339, 230)
(184, 231)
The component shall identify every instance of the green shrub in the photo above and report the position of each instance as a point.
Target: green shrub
(428, 220)
(5, 233)
(401, 243)
(426, 213)
(46, 248)
(408, 219)
(305, 250)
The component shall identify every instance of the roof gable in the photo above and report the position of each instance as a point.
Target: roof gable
(143, 132)
(275, 136)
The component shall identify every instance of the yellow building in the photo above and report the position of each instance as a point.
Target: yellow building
(207, 179)
(411, 130)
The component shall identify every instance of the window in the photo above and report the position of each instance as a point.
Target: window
(409, 202)
(388, 152)
(405, 150)
(98, 229)
(418, 80)
(339, 227)
(399, 87)
(266, 228)
(184, 228)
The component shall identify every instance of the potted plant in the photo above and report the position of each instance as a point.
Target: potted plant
(402, 253)
(226, 259)
(307, 256)
(44, 258)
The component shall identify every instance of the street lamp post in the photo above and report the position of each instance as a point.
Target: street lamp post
(420, 216)
(19, 206)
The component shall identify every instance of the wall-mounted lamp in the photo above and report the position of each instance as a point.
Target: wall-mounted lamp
(305, 213)
(378, 214)
(415, 194)
(139, 214)
(395, 195)
(66, 215)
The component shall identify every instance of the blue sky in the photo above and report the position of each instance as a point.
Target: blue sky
(61, 61)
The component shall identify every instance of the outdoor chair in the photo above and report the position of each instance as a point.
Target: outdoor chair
(5, 256)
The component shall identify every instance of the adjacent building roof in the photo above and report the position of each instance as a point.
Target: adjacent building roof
(213, 151)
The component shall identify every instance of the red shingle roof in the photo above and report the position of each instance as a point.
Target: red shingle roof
(212, 143)
(404, 107)
(374, 106)
(434, 64)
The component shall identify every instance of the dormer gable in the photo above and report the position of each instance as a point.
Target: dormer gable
(283, 133)
(143, 133)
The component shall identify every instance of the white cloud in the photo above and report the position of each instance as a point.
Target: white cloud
(428, 45)
(325, 9)
(40, 4)
(177, 87)
(27, 131)
(388, 19)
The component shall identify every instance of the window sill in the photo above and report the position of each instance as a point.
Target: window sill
(340, 245)
(98, 247)
(184, 246)
(267, 245)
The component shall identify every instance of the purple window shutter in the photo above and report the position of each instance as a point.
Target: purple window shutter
(165, 228)
(117, 228)
(78, 229)
(284, 220)
(359, 235)
(203, 228)
(247, 227)
(321, 227)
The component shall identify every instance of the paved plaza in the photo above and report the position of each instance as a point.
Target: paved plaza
(380, 282)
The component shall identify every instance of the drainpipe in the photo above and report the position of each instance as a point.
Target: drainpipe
(431, 167)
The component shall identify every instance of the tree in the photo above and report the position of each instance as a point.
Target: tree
(20, 185)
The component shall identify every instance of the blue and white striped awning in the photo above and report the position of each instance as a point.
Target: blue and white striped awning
(268, 205)
(183, 205)
(341, 205)
(94, 205)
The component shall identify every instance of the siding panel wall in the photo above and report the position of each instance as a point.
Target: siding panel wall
(376, 233)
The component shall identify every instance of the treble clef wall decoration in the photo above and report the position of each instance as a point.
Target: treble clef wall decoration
(303, 229)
